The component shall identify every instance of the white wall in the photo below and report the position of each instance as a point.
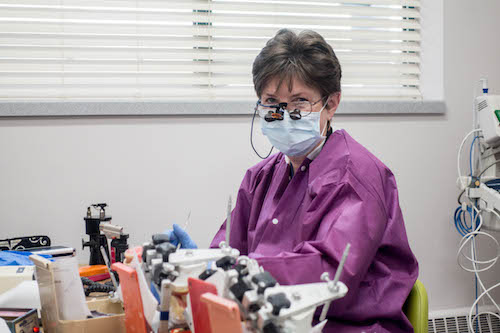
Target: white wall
(153, 170)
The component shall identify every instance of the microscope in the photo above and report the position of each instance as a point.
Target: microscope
(92, 228)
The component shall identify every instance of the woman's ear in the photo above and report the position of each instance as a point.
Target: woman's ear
(332, 102)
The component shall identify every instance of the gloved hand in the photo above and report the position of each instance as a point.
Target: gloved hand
(179, 235)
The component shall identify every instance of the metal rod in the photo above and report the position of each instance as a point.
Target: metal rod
(341, 265)
(335, 281)
(324, 311)
(228, 220)
(106, 260)
(186, 224)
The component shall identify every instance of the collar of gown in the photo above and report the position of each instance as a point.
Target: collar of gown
(312, 155)
(331, 157)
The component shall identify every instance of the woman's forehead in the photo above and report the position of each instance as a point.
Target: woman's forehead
(279, 86)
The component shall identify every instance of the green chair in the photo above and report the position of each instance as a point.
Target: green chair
(416, 308)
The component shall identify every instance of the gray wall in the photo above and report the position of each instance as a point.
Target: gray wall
(154, 170)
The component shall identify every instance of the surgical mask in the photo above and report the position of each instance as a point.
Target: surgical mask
(294, 137)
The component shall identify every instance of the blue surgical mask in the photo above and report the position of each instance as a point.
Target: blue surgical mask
(294, 137)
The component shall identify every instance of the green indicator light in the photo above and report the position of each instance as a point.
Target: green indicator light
(497, 113)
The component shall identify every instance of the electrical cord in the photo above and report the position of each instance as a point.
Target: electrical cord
(489, 166)
(473, 319)
(471, 171)
(471, 238)
(460, 152)
(460, 221)
(460, 197)
(470, 154)
(494, 184)
(251, 138)
(90, 286)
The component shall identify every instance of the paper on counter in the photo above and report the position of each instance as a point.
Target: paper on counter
(3, 327)
(69, 290)
(24, 296)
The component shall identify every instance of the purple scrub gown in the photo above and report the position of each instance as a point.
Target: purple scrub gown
(298, 228)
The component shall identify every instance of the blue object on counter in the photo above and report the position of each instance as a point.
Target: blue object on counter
(17, 258)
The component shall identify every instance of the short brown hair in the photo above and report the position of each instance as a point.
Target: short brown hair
(306, 56)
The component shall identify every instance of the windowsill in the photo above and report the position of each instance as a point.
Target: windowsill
(37, 109)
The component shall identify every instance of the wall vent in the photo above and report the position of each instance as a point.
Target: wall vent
(483, 104)
(456, 322)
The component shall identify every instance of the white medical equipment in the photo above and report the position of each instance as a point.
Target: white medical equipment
(480, 211)
(263, 303)
(488, 109)
(480, 185)
(182, 279)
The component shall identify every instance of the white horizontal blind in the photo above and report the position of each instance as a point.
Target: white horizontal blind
(196, 50)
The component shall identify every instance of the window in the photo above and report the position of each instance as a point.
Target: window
(196, 50)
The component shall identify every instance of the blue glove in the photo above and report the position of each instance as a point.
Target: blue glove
(178, 235)
(17, 258)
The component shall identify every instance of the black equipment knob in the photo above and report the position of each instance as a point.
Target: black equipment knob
(263, 281)
(226, 262)
(279, 301)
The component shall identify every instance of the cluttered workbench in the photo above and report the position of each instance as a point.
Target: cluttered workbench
(158, 287)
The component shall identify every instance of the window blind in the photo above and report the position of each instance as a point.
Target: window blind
(196, 50)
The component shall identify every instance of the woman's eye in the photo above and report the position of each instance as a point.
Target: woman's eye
(300, 100)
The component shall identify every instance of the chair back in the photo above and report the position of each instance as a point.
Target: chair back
(416, 308)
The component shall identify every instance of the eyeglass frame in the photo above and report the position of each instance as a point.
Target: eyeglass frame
(279, 113)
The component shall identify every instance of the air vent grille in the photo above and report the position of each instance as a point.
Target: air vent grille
(482, 105)
(458, 324)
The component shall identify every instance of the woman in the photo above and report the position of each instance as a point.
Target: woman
(297, 210)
